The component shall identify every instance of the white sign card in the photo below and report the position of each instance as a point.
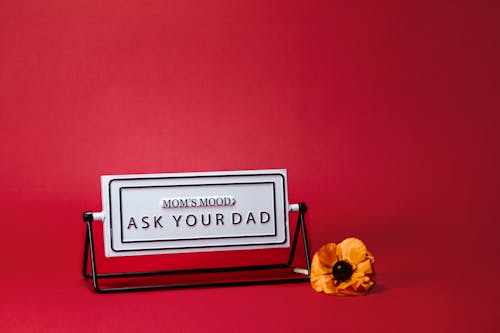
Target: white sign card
(195, 212)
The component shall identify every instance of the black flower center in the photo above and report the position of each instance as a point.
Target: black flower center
(342, 271)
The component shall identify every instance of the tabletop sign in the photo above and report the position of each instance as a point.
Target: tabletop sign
(194, 212)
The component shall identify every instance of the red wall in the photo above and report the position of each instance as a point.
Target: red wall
(386, 115)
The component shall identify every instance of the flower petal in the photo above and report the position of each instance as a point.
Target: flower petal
(327, 255)
(330, 288)
(365, 267)
(352, 250)
(323, 283)
(323, 260)
(370, 257)
(321, 269)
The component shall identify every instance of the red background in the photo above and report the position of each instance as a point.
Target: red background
(384, 113)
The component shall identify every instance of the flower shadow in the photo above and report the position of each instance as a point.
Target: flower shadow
(393, 280)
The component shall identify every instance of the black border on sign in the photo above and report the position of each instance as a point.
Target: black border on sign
(285, 213)
(195, 238)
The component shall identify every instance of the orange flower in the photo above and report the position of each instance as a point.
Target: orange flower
(343, 269)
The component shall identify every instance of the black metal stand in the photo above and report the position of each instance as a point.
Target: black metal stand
(89, 250)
